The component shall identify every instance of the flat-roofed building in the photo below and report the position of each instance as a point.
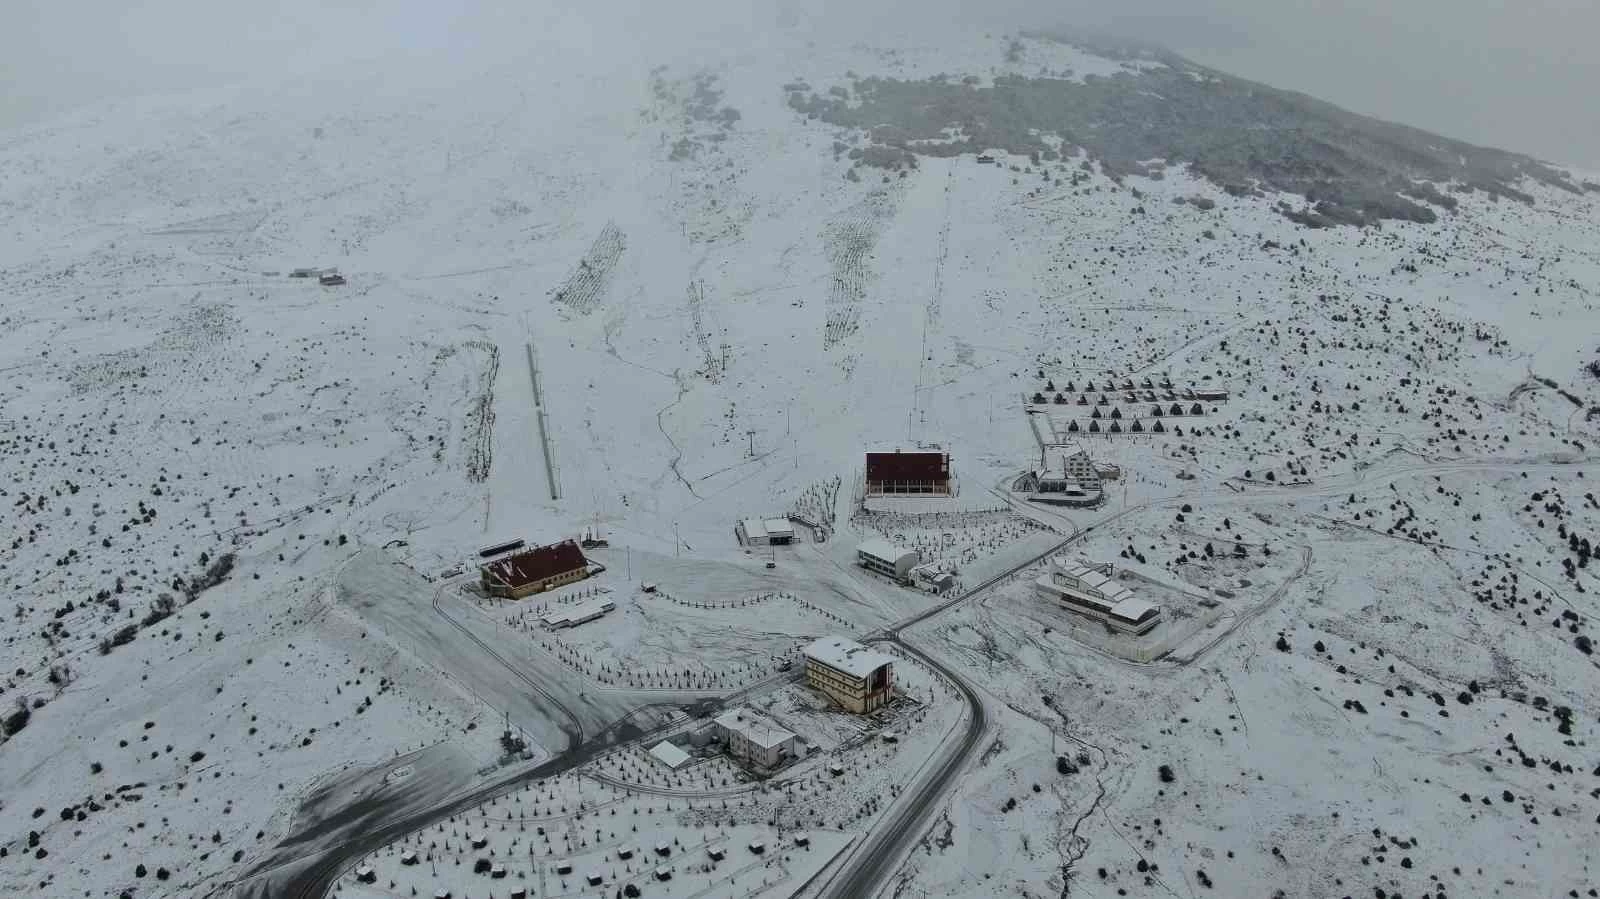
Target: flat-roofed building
(1091, 591)
(764, 531)
(535, 570)
(887, 559)
(669, 754)
(749, 735)
(857, 677)
(572, 616)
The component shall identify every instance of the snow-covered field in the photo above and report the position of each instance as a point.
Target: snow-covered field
(228, 489)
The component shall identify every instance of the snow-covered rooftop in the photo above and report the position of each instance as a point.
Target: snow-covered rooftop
(879, 548)
(1096, 584)
(669, 754)
(579, 612)
(756, 727)
(847, 655)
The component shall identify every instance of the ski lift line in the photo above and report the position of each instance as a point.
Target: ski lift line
(542, 422)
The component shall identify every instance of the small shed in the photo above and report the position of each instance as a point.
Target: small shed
(669, 754)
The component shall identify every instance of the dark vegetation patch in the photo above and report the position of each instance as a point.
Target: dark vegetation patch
(1243, 136)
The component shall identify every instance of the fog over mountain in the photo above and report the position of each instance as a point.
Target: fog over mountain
(1505, 75)
(834, 450)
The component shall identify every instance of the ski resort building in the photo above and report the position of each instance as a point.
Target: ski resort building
(535, 570)
(858, 678)
(933, 576)
(915, 474)
(749, 735)
(572, 616)
(1067, 476)
(887, 559)
(1090, 591)
(764, 531)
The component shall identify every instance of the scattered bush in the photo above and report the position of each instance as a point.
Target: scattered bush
(17, 720)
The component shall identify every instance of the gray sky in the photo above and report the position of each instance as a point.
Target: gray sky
(1518, 75)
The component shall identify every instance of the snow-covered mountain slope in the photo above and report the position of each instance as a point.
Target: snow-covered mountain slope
(726, 306)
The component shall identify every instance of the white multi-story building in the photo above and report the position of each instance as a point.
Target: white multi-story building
(887, 559)
(747, 734)
(1091, 591)
(1069, 462)
(1067, 477)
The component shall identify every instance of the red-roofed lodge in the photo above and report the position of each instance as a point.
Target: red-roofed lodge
(535, 570)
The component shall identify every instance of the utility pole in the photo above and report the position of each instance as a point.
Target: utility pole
(752, 435)
(676, 543)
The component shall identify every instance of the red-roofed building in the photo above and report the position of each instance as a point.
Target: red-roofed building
(535, 570)
(908, 473)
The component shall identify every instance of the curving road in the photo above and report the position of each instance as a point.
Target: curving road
(378, 819)
(878, 855)
(865, 869)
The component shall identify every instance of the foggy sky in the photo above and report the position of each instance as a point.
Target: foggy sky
(1516, 75)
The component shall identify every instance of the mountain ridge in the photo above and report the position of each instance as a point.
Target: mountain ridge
(1244, 136)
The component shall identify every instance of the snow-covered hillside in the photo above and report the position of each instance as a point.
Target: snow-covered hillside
(204, 459)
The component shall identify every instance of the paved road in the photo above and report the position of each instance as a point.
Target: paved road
(344, 819)
(377, 820)
(878, 855)
(865, 869)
